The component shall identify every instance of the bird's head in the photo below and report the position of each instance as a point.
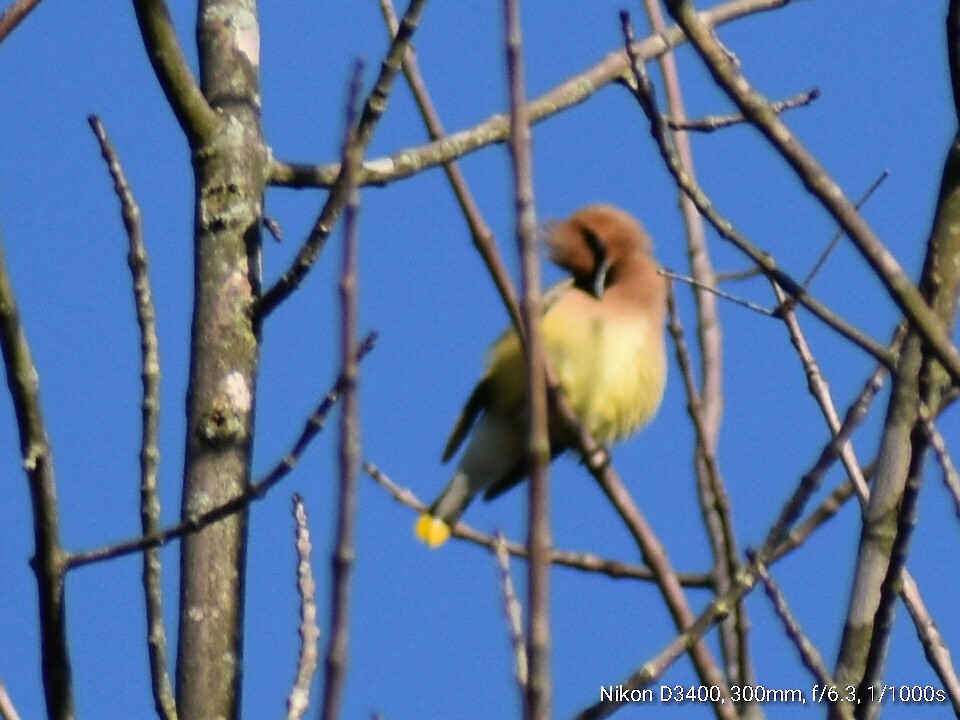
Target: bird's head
(591, 243)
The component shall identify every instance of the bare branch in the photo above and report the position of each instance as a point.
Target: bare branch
(496, 129)
(809, 655)
(513, 613)
(274, 228)
(706, 406)
(586, 562)
(654, 555)
(934, 647)
(163, 695)
(37, 457)
(823, 513)
(755, 307)
(14, 15)
(649, 671)
(739, 275)
(645, 97)
(255, 491)
(539, 689)
(953, 51)
(838, 235)
(919, 386)
(483, 239)
(229, 172)
(757, 109)
(820, 390)
(773, 549)
(718, 122)
(933, 644)
(652, 669)
(373, 109)
(198, 120)
(7, 709)
(299, 699)
(951, 478)
(344, 551)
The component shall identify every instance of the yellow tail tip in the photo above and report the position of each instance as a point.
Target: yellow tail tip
(431, 531)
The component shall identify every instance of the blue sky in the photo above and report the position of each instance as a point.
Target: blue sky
(428, 635)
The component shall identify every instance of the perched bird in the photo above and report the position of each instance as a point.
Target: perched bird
(603, 335)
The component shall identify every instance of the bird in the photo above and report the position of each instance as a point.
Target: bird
(603, 334)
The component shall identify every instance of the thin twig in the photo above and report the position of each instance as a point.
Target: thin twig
(718, 122)
(14, 15)
(653, 669)
(585, 562)
(255, 491)
(782, 538)
(539, 690)
(739, 275)
(573, 91)
(273, 227)
(707, 403)
(8, 710)
(513, 613)
(933, 644)
(823, 513)
(816, 179)
(198, 120)
(838, 235)
(726, 556)
(480, 232)
(645, 98)
(821, 391)
(934, 647)
(37, 459)
(809, 484)
(916, 390)
(654, 555)
(951, 479)
(138, 260)
(373, 108)
(349, 451)
(755, 307)
(809, 655)
(299, 699)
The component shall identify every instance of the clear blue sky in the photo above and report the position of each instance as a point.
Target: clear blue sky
(428, 636)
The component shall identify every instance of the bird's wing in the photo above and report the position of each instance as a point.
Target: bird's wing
(468, 416)
(519, 471)
(558, 443)
(480, 397)
(512, 478)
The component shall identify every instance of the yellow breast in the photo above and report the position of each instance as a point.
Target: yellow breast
(611, 366)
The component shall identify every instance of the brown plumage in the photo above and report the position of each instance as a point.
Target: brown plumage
(603, 334)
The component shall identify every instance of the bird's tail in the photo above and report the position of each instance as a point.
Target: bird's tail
(494, 453)
(431, 530)
(434, 526)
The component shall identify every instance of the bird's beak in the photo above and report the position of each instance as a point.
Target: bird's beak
(600, 278)
(601, 265)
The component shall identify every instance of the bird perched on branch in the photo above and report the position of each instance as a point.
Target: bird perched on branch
(603, 336)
